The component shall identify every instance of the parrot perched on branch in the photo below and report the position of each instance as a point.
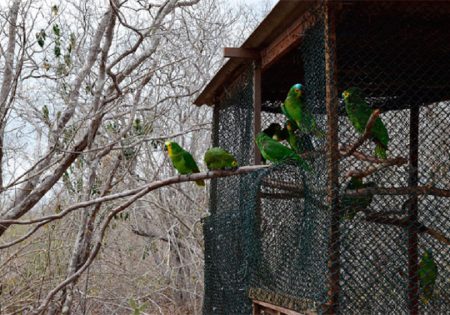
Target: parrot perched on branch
(275, 132)
(351, 205)
(428, 273)
(359, 112)
(219, 159)
(182, 160)
(295, 110)
(299, 144)
(276, 152)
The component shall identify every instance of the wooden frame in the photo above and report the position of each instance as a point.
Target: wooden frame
(260, 307)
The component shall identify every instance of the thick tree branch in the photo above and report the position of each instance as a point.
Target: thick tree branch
(380, 218)
(419, 190)
(134, 192)
(7, 78)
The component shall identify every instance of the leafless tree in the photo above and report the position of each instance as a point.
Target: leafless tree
(89, 92)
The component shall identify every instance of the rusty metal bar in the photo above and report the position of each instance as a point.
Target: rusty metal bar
(413, 253)
(257, 100)
(332, 306)
(244, 53)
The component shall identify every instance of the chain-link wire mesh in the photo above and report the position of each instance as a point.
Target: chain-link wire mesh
(272, 235)
(227, 231)
(398, 55)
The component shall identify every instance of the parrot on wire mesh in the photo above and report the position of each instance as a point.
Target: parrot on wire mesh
(182, 160)
(351, 205)
(294, 108)
(275, 132)
(428, 273)
(276, 152)
(359, 112)
(219, 159)
(299, 144)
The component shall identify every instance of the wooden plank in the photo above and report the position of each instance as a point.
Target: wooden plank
(242, 53)
(257, 100)
(413, 239)
(332, 306)
(276, 308)
(286, 41)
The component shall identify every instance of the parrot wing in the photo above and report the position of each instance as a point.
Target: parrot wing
(276, 152)
(191, 166)
(428, 273)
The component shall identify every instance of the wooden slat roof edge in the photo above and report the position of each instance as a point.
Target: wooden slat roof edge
(284, 13)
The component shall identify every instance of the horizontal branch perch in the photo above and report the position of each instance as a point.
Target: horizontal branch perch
(281, 196)
(153, 185)
(419, 190)
(373, 169)
(286, 186)
(380, 218)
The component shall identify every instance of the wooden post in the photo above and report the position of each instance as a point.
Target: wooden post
(413, 253)
(332, 306)
(257, 99)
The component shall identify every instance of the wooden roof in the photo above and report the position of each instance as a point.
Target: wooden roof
(392, 50)
(277, 22)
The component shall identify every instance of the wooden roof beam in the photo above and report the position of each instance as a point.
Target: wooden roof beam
(242, 53)
(286, 41)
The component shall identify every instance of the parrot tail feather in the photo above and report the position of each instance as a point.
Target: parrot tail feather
(304, 165)
(200, 182)
(380, 151)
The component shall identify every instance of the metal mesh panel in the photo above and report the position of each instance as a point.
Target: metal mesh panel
(292, 235)
(394, 53)
(233, 131)
(227, 232)
(229, 254)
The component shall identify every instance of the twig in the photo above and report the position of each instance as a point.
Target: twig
(373, 169)
(153, 235)
(287, 196)
(367, 133)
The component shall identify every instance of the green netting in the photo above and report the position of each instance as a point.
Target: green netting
(269, 234)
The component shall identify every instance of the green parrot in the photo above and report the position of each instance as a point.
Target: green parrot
(137, 126)
(359, 112)
(275, 132)
(299, 144)
(276, 152)
(219, 159)
(351, 205)
(182, 160)
(428, 273)
(46, 113)
(294, 109)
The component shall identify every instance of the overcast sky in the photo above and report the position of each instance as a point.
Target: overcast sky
(256, 2)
